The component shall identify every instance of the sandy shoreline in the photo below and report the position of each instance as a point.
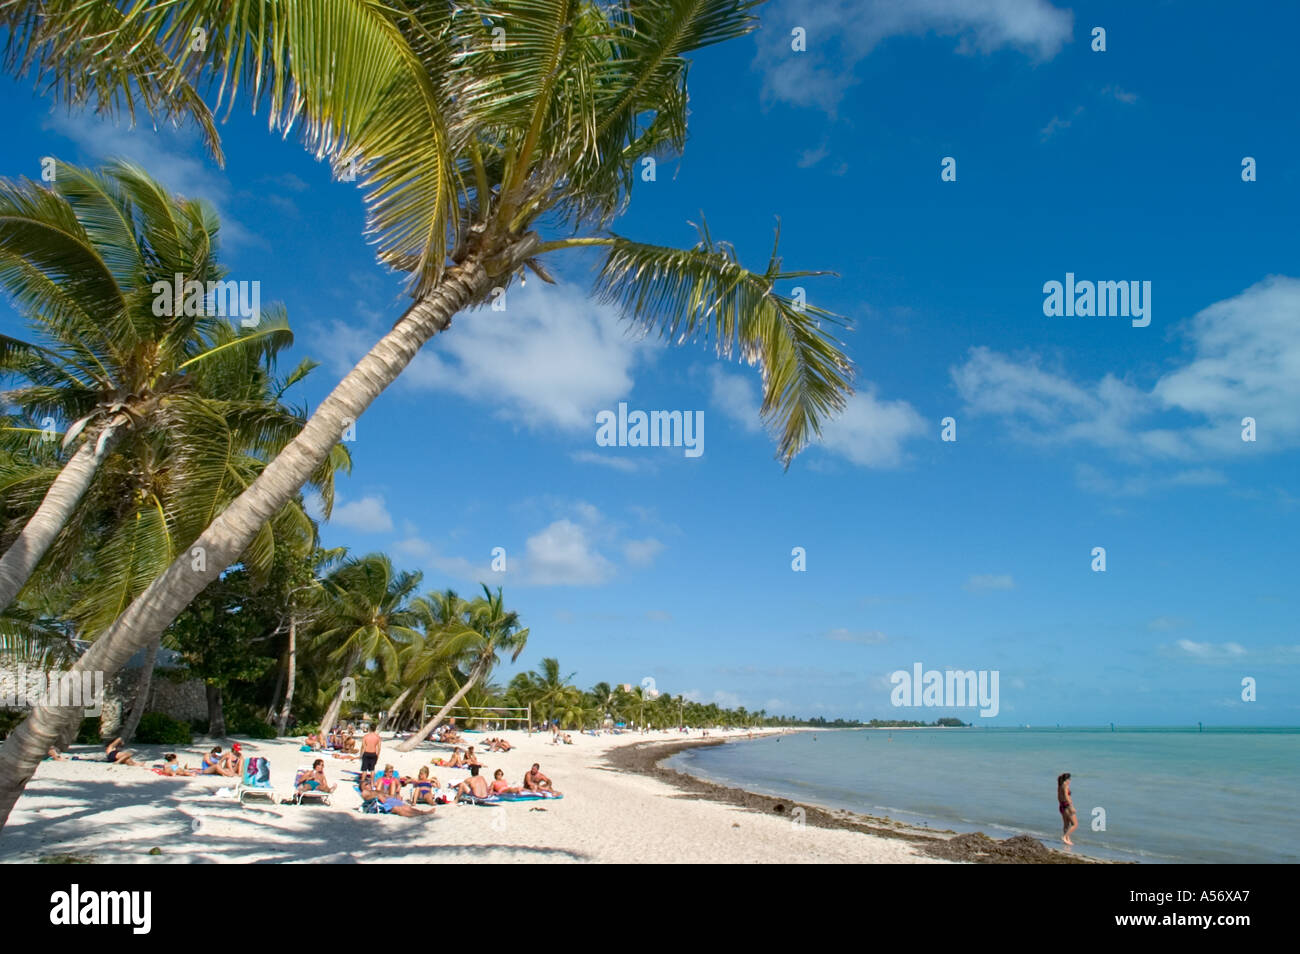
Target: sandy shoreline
(619, 807)
(645, 758)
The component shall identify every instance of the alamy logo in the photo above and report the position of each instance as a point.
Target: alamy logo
(950, 689)
(220, 299)
(75, 906)
(653, 429)
(1087, 299)
(24, 689)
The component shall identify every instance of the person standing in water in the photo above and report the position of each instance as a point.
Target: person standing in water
(1069, 817)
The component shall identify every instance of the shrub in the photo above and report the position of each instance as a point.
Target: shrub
(9, 719)
(88, 731)
(157, 728)
(243, 719)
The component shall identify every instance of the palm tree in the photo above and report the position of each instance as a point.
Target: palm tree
(81, 260)
(467, 141)
(367, 619)
(304, 601)
(550, 694)
(426, 662)
(489, 630)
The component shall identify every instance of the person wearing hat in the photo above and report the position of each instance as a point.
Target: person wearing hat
(232, 763)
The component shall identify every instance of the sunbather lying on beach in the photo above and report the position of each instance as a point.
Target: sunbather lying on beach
(475, 785)
(423, 787)
(457, 760)
(501, 786)
(315, 780)
(313, 742)
(375, 802)
(214, 763)
(470, 757)
(535, 781)
(172, 767)
(54, 755)
(498, 745)
(119, 755)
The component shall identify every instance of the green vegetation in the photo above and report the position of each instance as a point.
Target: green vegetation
(158, 729)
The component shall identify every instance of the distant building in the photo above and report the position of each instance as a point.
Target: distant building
(169, 694)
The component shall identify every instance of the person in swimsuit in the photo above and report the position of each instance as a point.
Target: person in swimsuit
(457, 760)
(172, 768)
(315, 781)
(371, 744)
(422, 788)
(500, 786)
(214, 763)
(475, 785)
(375, 802)
(535, 781)
(119, 755)
(471, 758)
(388, 783)
(1069, 817)
(233, 760)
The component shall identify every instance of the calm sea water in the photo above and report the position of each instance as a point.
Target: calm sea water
(1169, 795)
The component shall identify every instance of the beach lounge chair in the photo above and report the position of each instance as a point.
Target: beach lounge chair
(311, 796)
(255, 782)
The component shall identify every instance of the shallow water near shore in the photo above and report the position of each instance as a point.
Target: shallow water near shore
(1168, 795)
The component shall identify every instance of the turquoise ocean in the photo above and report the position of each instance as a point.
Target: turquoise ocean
(1164, 795)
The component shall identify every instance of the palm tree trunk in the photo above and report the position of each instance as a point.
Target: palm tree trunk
(141, 700)
(275, 693)
(432, 724)
(332, 713)
(20, 560)
(293, 673)
(394, 709)
(226, 537)
(216, 712)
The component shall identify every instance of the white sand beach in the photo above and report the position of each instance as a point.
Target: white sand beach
(117, 814)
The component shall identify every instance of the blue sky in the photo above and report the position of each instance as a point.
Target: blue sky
(1072, 433)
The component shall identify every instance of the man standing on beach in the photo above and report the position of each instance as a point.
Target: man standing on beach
(1069, 817)
(370, 746)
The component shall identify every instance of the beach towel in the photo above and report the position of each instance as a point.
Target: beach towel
(475, 800)
(527, 796)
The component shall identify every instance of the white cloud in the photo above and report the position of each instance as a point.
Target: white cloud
(984, 582)
(842, 33)
(554, 358)
(736, 396)
(869, 432)
(368, 515)
(871, 637)
(1232, 653)
(625, 464)
(1244, 362)
(163, 153)
(1210, 650)
(564, 554)
(642, 552)
(1122, 95)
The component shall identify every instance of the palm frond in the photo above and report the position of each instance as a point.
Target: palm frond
(704, 293)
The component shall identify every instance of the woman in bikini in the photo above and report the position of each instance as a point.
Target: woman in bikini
(213, 763)
(500, 786)
(1069, 817)
(388, 783)
(422, 788)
